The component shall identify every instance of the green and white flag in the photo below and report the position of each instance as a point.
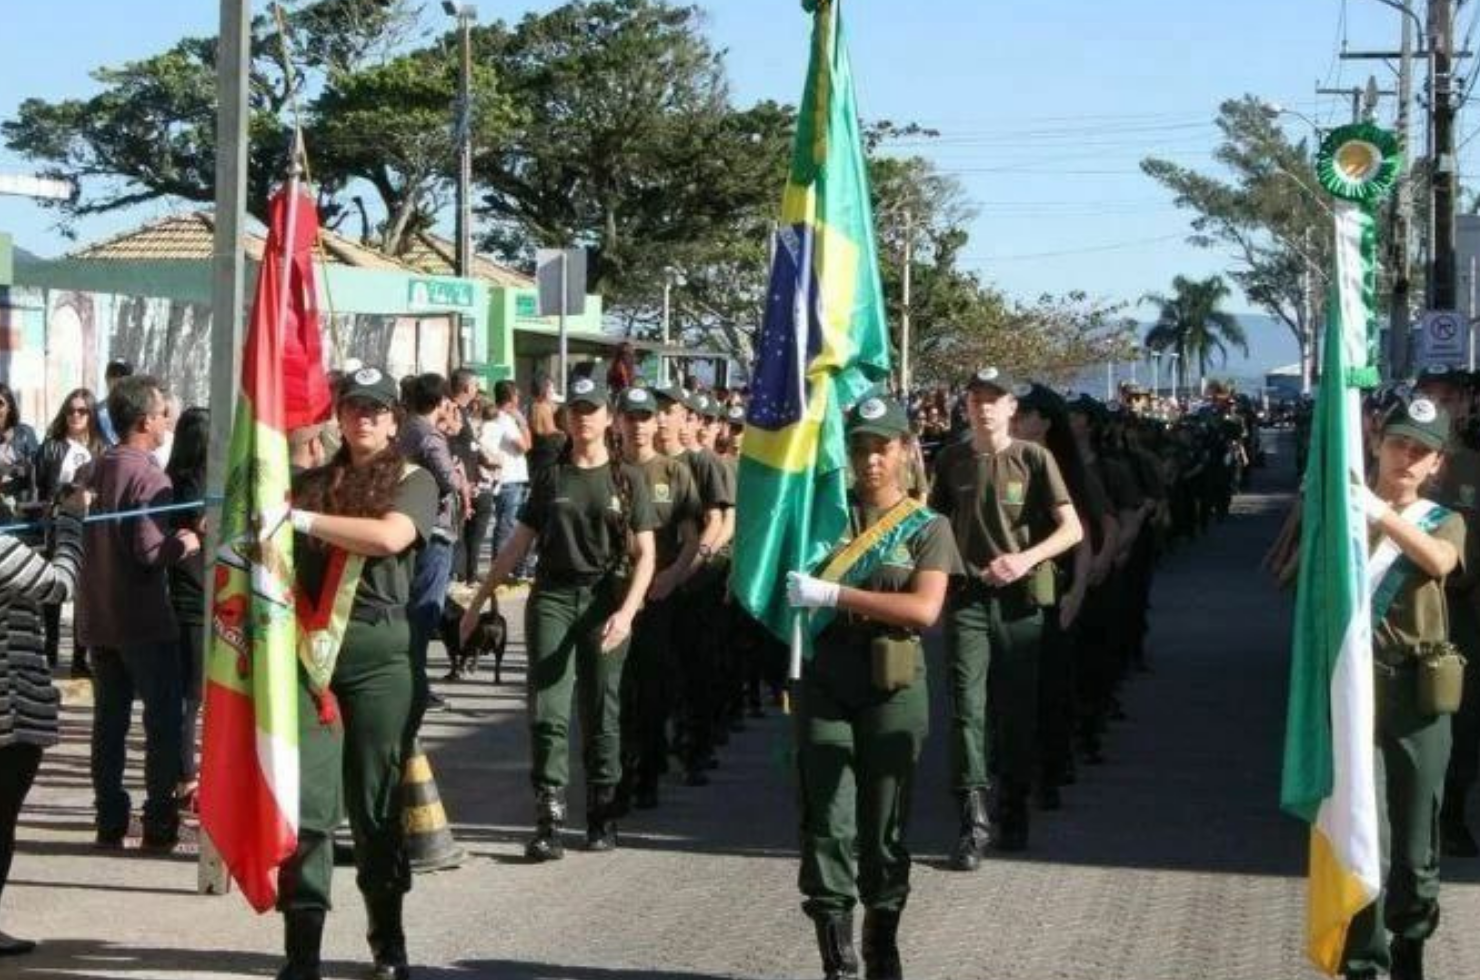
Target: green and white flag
(1328, 778)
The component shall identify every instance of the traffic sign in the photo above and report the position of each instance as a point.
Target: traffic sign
(1443, 338)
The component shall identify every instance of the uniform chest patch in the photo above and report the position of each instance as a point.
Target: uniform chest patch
(662, 493)
(1467, 495)
(1014, 492)
(615, 506)
(900, 556)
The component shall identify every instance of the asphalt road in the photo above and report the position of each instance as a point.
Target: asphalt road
(1170, 861)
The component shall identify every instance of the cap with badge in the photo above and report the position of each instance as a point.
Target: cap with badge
(704, 405)
(636, 401)
(735, 415)
(672, 394)
(1420, 420)
(1039, 398)
(879, 417)
(989, 378)
(369, 384)
(586, 391)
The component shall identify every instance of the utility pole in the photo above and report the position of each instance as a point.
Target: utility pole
(465, 13)
(1441, 126)
(1402, 220)
(228, 298)
(904, 316)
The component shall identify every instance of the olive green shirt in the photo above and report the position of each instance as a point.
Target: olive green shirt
(932, 548)
(385, 582)
(570, 509)
(1418, 614)
(715, 490)
(675, 500)
(997, 503)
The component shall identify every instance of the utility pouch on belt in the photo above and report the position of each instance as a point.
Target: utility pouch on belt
(1441, 678)
(893, 661)
(1041, 586)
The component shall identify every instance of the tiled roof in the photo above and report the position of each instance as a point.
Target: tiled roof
(190, 237)
(438, 256)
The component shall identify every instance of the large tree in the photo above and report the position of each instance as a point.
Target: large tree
(149, 133)
(624, 140)
(1266, 209)
(1192, 323)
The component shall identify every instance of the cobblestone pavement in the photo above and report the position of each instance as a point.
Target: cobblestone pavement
(1169, 862)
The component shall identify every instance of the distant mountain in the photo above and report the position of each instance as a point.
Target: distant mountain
(1271, 345)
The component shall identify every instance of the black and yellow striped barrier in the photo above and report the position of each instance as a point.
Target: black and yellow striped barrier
(429, 840)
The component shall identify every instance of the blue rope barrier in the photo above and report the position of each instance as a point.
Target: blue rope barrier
(117, 515)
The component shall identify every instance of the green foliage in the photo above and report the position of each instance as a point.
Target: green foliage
(1268, 212)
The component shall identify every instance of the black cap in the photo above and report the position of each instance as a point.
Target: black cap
(586, 391)
(634, 401)
(1039, 398)
(118, 368)
(371, 385)
(990, 377)
(879, 416)
(1441, 373)
(1420, 420)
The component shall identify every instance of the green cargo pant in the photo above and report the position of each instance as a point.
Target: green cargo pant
(992, 645)
(647, 692)
(1412, 753)
(563, 624)
(857, 748)
(355, 763)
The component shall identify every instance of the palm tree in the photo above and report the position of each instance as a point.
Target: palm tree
(1191, 324)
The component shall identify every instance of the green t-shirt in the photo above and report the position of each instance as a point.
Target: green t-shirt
(572, 511)
(932, 548)
(1458, 489)
(715, 489)
(1418, 614)
(675, 501)
(997, 503)
(385, 582)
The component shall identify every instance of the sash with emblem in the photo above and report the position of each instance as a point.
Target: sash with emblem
(1388, 569)
(855, 560)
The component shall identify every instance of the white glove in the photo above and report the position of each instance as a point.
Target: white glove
(1373, 505)
(806, 592)
(302, 520)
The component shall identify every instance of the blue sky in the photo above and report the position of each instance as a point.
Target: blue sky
(1045, 109)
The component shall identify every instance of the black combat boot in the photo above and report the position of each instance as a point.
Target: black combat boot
(303, 933)
(387, 937)
(1407, 957)
(975, 835)
(835, 943)
(549, 818)
(881, 945)
(601, 821)
(1011, 832)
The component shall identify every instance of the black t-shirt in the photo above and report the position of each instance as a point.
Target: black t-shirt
(385, 582)
(570, 509)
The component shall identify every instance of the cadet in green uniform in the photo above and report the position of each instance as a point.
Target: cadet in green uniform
(1011, 514)
(368, 512)
(1412, 746)
(1458, 489)
(703, 592)
(862, 707)
(593, 519)
(647, 683)
(1043, 418)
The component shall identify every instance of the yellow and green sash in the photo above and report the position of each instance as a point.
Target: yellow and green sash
(856, 560)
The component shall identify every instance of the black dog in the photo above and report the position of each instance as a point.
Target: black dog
(489, 639)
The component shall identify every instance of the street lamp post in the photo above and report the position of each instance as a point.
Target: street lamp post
(1173, 356)
(671, 278)
(465, 13)
(1155, 374)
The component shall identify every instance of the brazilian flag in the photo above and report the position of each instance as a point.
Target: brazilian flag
(823, 342)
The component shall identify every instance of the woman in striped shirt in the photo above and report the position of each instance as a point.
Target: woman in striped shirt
(28, 702)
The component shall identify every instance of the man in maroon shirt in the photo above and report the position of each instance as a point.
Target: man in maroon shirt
(125, 617)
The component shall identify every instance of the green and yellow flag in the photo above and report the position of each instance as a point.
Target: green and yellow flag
(823, 343)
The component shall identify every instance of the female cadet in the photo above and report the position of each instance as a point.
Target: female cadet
(1412, 743)
(863, 709)
(363, 515)
(646, 686)
(1043, 418)
(593, 519)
